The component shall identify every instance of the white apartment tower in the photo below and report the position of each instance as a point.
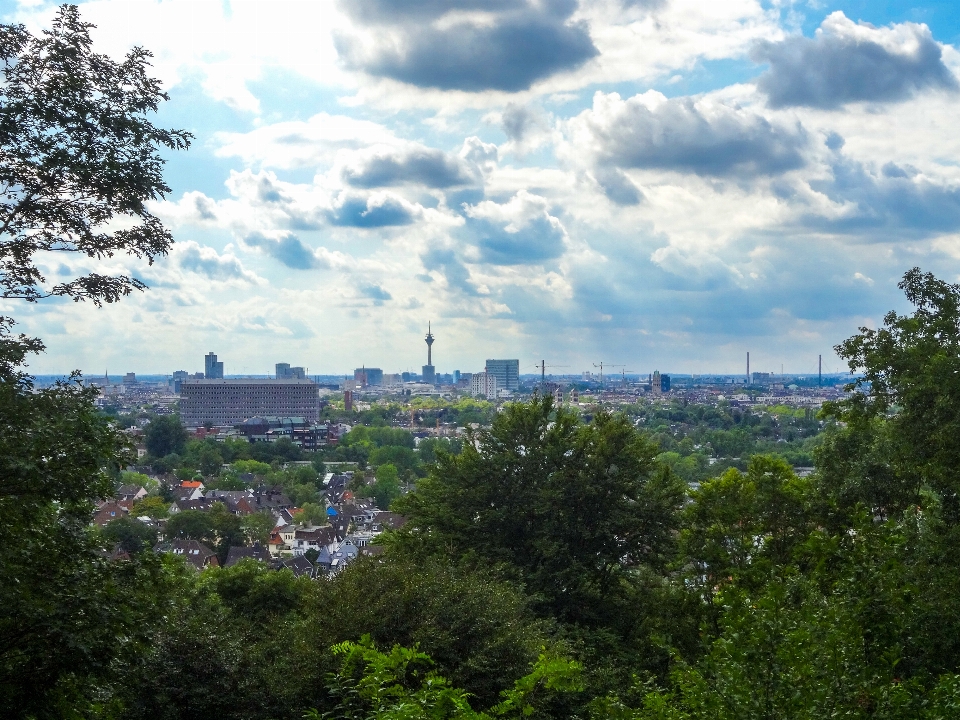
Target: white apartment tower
(484, 384)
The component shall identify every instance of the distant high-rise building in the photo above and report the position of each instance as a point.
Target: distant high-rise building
(507, 373)
(456, 376)
(212, 370)
(227, 402)
(408, 376)
(178, 377)
(558, 396)
(130, 379)
(285, 372)
(485, 385)
(368, 376)
(659, 383)
(348, 400)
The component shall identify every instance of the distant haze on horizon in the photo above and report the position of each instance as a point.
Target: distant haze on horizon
(655, 183)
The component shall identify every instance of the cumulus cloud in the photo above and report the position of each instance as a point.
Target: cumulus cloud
(852, 62)
(892, 202)
(484, 155)
(375, 293)
(649, 131)
(288, 249)
(518, 121)
(617, 186)
(308, 143)
(371, 211)
(451, 267)
(416, 164)
(193, 208)
(471, 45)
(526, 126)
(648, 5)
(262, 200)
(205, 261)
(519, 232)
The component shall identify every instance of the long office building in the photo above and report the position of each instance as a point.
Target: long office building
(227, 402)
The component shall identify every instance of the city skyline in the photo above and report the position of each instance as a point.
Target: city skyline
(669, 187)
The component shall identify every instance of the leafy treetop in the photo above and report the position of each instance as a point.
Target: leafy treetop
(77, 156)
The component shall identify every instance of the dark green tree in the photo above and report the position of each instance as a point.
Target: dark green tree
(77, 152)
(906, 404)
(64, 615)
(741, 525)
(386, 488)
(206, 455)
(165, 435)
(228, 529)
(478, 629)
(258, 525)
(192, 525)
(78, 159)
(571, 507)
(130, 534)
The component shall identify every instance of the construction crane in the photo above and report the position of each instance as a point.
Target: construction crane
(609, 365)
(543, 372)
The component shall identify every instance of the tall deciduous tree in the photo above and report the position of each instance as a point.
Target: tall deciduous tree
(165, 435)
(79, 160)
(78, 156)
(62, 614)
(906, 404)
(571, 506)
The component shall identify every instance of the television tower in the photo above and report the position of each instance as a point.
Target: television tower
(429, 341)
(429, 372)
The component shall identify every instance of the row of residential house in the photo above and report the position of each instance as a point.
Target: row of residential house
(348, 533)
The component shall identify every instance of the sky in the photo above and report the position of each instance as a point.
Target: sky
(655, 184)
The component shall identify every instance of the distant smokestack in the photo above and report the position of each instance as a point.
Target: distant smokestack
(748, 367)
(820, 370)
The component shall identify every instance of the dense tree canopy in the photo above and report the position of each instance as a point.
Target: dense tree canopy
(63, 613)
(571, 506)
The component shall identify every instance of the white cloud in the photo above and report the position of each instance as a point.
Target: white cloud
(193, 257)
(311, 143)
(227, 44)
